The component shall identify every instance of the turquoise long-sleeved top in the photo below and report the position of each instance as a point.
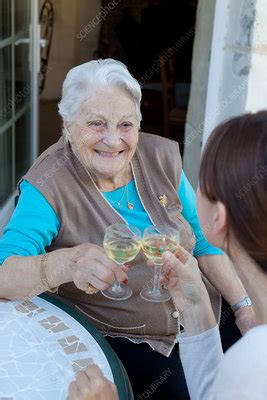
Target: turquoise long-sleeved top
(34, 224)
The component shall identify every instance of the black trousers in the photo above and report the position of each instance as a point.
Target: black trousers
(157, 377)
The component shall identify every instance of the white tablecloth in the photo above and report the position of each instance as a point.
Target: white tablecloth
(41, 348)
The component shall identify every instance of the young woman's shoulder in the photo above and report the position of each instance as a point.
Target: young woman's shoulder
(243, 370)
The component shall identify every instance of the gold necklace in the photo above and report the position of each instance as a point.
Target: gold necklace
(130, 205)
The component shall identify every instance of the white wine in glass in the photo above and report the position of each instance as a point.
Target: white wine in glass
(122, 250)
(122, 243)
(157, 240)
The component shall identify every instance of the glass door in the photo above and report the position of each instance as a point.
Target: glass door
(19, 67)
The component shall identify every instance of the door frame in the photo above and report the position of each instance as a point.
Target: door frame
(34, 64)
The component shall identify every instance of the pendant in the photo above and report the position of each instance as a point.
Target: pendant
(130, 205)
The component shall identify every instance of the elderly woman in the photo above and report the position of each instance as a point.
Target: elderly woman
(103, 171)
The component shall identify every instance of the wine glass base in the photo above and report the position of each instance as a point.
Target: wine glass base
(155, 297)
(124, 292)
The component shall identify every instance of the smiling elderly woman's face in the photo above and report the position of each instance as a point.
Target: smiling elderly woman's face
(105, 132)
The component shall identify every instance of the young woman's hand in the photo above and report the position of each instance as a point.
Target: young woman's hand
(91, 384)
(183, 279)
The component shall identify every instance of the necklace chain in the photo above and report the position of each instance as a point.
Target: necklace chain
(130, 205)
(122, 197)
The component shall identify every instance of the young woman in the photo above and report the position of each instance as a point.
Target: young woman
(232, 201)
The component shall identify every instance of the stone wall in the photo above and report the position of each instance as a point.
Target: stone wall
(236, 70)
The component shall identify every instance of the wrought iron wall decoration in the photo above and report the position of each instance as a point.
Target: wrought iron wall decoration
(46, 20)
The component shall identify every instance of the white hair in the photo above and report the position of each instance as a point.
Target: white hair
(83, 78)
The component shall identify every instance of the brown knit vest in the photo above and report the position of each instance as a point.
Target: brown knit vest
(84, 214)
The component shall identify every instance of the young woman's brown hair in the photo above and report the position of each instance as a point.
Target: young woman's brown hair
(234, 171)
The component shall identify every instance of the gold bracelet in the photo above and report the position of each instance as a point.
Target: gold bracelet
(44, 279)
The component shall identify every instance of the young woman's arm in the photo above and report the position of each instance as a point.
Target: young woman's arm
(214, 265)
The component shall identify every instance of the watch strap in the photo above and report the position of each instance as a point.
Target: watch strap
(245, 302)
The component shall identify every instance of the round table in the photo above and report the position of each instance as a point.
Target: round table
(43, 342)
(119, 374)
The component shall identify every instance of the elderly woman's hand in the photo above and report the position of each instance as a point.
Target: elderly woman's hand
(92, 265)
(183, 279)
(92, 385)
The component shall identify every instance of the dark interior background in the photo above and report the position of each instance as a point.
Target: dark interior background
(137, 33)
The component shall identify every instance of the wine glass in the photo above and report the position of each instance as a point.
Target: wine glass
(122, 243)
(156, 240)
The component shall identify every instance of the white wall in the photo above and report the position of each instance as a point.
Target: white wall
(198, 92)
(237, 78)
(257, 82)
(230, 63)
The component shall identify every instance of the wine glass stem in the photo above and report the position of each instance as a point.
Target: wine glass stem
(157, 275)
(116, 287)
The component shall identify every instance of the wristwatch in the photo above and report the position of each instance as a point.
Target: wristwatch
(241, 304)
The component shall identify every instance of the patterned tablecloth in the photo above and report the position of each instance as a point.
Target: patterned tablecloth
(41, 348)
